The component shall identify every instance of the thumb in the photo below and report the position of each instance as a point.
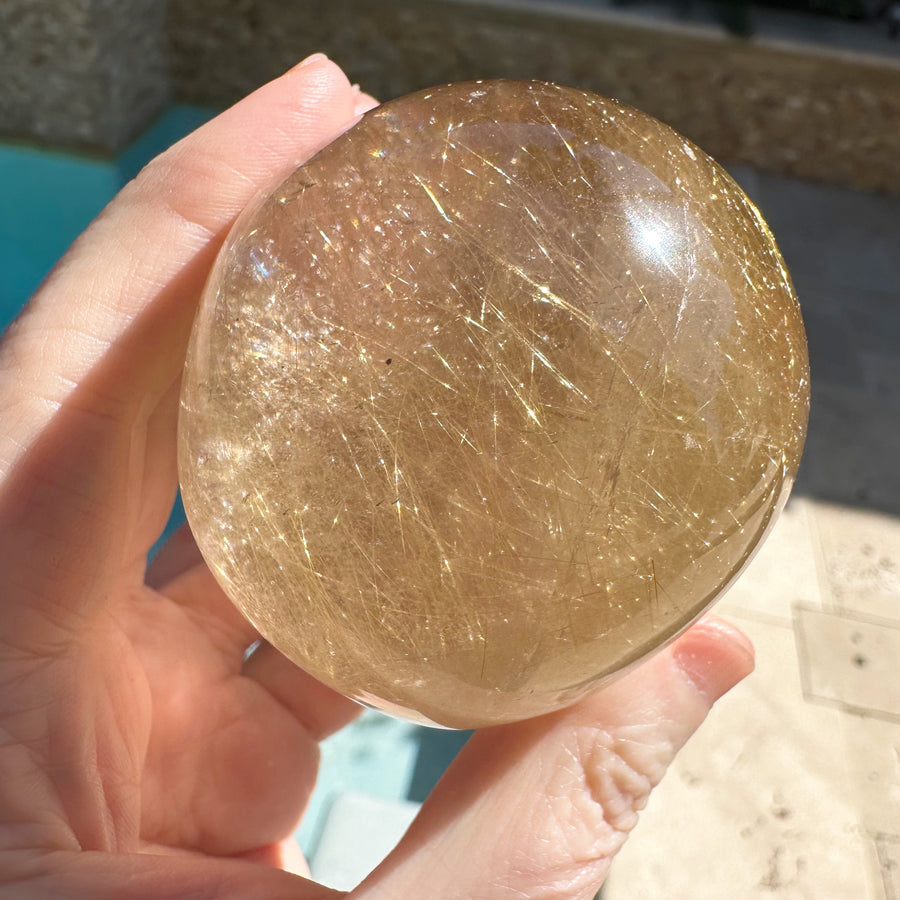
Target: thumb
(538, 809)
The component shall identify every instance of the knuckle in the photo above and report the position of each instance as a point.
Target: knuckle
(184, 186)
(619, 769)
(593, 786)
(601, 780)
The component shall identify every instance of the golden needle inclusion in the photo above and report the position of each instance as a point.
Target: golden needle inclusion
(489, 399)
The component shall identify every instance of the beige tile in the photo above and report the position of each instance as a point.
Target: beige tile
(858, 553)
(759, 804)
(782, 572)
(872, 751)
(849, 661)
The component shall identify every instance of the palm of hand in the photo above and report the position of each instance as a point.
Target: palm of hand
(257, 763)
(174, 742)
(172, 702)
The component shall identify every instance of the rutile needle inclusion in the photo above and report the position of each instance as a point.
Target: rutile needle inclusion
(489, 399)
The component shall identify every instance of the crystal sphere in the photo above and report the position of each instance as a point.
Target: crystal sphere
(489, 399)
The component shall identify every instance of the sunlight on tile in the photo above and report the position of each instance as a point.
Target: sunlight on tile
(792, 787)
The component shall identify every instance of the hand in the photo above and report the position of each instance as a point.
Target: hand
(140, 757)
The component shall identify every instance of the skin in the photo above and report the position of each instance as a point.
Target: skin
(140, 757)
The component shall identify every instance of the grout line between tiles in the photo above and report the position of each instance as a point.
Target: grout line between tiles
(812, 523)
(750, 615)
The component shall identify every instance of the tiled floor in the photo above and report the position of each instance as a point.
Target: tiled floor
(790, 790)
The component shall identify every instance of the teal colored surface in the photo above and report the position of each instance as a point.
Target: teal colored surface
(376, 755)
(47, 198)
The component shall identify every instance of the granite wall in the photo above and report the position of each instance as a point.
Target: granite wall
(91, 73)
(83, 73)
(818, 114)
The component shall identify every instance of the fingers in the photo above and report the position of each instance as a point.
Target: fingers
(228, 777)
(198, 593)
(285, 855)
(153, 245)
(180, 573)
(538, 809)
(89, 373)
(319, 709)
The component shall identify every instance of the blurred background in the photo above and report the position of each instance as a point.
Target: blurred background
(792, 789)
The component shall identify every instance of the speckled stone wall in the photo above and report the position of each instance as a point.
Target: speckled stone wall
(83, 73)
(816, 114)
(92, 73)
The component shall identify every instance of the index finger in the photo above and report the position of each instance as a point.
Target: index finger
(163, 227)
(89, 372)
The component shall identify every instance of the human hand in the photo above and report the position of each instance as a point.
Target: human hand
(140, 755)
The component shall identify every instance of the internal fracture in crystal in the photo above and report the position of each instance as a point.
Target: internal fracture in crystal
(491, 398)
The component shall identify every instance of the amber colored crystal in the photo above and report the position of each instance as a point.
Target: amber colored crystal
(491, 398)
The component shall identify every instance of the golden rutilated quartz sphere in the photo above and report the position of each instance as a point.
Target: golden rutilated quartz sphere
(489, 399)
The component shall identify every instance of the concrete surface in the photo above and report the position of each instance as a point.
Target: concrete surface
(816, 102)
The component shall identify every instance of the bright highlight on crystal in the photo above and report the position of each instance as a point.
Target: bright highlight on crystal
(490, 399)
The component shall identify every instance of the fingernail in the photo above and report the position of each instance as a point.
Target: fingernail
(311, 60)
(715, 656)
(364, 104)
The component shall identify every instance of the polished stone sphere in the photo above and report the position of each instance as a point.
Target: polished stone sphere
(490, 399)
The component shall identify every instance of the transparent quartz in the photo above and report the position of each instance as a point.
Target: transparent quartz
(489, 399)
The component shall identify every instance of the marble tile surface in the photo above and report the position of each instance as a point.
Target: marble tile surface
(792, 787)
(849, 661)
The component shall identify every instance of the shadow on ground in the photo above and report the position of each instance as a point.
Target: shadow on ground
(843, 250)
